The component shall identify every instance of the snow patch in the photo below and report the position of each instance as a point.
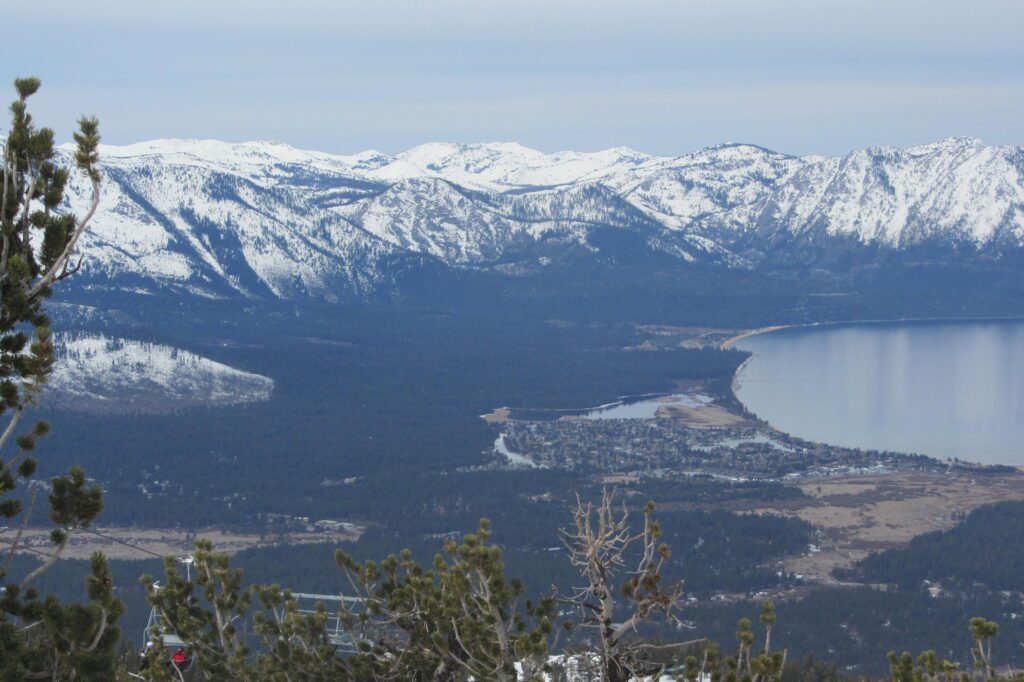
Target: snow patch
(96, 373)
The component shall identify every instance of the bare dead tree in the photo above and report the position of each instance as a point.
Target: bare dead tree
(600, 545)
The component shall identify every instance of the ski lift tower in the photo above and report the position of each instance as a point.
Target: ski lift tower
(306, 602)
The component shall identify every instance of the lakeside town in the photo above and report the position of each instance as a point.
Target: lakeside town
(686, 435)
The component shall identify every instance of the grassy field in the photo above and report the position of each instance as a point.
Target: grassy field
(858, 515)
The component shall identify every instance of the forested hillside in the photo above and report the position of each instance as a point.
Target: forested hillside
(985, 550)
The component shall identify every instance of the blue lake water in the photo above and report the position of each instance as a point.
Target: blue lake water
(945, 389)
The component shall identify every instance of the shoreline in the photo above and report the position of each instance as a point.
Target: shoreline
(733, 340)
(734, 383)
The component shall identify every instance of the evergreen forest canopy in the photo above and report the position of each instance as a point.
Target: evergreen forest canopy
(983, 550)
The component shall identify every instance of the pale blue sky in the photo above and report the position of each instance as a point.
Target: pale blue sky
(663, 77)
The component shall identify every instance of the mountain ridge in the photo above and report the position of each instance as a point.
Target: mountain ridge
(214, 218)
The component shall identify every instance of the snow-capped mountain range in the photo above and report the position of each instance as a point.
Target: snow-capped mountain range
(266, 219)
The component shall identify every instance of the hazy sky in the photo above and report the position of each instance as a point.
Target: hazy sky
(663, 77)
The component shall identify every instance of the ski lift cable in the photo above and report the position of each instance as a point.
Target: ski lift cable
(123, 542)
(94, 532)
(26, 548)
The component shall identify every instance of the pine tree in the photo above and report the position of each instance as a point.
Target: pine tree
(928, 667)
(41, 638)
(453, 621)
(983, 632)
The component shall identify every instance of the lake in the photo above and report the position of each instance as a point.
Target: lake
(945, 389)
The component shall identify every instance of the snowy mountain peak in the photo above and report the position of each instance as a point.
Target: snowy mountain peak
(434, 152)
(954, 143)
(239, 155)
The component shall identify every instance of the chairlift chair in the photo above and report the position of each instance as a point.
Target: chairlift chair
(157, 633)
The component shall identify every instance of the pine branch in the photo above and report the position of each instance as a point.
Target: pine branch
(44, 567)
(11, 424)
(47, 279)
(21, 528)
(99, 631)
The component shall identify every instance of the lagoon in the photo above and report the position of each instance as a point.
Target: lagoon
(944, 389)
